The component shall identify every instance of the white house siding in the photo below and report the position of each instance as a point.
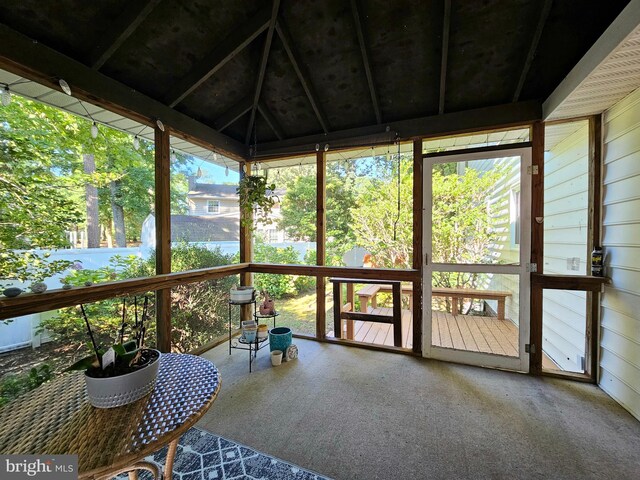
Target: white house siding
(566, 210)
(620, 317)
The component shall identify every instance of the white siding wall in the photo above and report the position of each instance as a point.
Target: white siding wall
(566, 193)
(620, 333)
(198, 206)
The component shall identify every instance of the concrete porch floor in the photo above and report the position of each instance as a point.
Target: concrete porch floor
(351, 413)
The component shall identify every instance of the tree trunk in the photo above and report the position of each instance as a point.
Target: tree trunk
(91, 196)
(117, 212)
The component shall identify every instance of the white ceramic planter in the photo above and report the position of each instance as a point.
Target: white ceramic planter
(241, 294)
(118, 391)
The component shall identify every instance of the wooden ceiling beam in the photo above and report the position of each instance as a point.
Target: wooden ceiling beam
(233, 114)
(22, 56)
(263, 67)
(219, 56)
(365, 58)
(446, 25)
(121, 29)
(544, 14)
(271, 120)
(510, 114)
(302, 74)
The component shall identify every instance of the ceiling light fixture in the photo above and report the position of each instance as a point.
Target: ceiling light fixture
(64, 86)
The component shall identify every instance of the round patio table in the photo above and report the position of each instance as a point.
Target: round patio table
(57, 418)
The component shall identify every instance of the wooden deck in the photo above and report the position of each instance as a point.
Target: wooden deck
(462, 332)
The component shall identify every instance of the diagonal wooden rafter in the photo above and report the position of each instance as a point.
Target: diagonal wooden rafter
(233, 114)
(219, 56)
(270, 119)
(446, 25)
(263, 67)
(298, 66)
(544, 14)
(121, 29)
(365, 58)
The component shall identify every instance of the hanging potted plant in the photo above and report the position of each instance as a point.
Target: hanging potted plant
(257, 198)
(124, 372)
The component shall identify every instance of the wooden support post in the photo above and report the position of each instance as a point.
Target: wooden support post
(246, 245)
(417, 308)
(163, 236)
(537, 244)
(397, 313)
(321, 233)
(594, 239)
(337, 318)
(351, 299)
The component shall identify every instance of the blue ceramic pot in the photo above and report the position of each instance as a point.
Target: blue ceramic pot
(280, 338)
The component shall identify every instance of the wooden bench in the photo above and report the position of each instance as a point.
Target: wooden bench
(457, 293)
(345, 311)
(369, 293)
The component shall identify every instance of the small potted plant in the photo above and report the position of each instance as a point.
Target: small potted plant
(124, 372)
(256, 196)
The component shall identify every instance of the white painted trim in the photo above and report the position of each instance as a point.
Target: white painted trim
(623, 26)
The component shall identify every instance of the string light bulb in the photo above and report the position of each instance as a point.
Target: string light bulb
(160, 125)
(64, 86)
(6, 96)
(94, 130)
(226, 170)
(326, 147)
(136, 142)
(173, 155)
(199, 173)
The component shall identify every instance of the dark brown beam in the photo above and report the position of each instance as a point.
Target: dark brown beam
(233, 114)
(446, 24)
(583, 283)
(246, 245)
(270, 119)
(29, 303)
(510, 114)
(163, 236)
(121, 29)
(544, 14)
(372, 275)
(302, 74)
(417, 262)
(263, 68)
(537, 247)
(234, 43)
(595, 232)
(321, 234)
(26, 58)
(365, 58)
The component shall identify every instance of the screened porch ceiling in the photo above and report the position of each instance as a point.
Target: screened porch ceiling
(254, 79)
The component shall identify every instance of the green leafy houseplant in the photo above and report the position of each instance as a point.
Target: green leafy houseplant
(128, 356)
(256, 196)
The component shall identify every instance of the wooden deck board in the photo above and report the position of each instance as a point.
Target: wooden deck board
(463, 332)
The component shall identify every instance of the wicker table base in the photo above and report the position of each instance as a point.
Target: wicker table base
(57, 418)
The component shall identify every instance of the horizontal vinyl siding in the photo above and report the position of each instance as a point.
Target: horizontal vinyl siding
(620, 317)
(566, 214)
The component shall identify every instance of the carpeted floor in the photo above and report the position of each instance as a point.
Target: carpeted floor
(357, 414)
(204, 456)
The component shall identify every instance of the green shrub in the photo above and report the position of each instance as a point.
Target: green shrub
(13, 386)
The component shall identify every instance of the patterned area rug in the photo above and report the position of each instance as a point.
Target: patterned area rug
(204, 456)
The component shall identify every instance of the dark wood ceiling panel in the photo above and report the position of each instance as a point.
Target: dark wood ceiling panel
(488, 45)
(238, 129)
(264, 132)
(327, 43)
(232, 84)
(405, 45)
(570, 30)
(284, 96)
(71, 27)
(173, 39)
